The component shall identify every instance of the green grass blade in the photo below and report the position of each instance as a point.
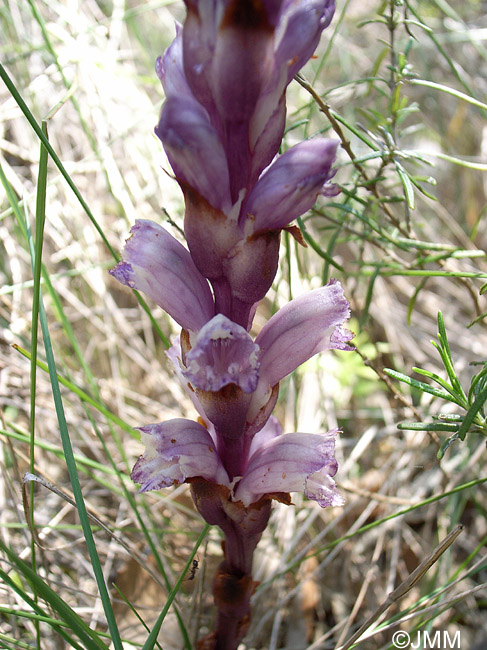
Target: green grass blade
(439, 380)
(316, 247)
(75, 484)
(80, 460)
(429, 426)
(442, 51)
(152, 638)
(135, 613)
(81, 394)
(472, 413)
(407, 185)
(68, 451)
(75, 623)
(16, 645)
(445, 353)
(448, 90)
(32, 121)
(37, 262)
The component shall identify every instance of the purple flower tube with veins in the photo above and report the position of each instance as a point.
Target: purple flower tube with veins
(157, 264)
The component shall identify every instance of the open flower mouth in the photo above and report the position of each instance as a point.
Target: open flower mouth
(180, 450)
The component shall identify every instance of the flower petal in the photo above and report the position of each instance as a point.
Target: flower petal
(290, 186)
(174, 355)
(271, 429)
(298, 31)
(266, 131)
(302, 22)
(194, 150)
(223, 353)
(293, 462)
(170, 70)
(302, 328)
(156, 263)
(176, 450)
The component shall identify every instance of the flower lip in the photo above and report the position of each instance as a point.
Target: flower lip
(177, 450)
(292, 462)
(156, 263)
(223, 353)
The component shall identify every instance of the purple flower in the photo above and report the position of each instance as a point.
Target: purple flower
(195, 151)
(234, 381)
(238, 58)
(157, 264)
(179, 450)
(225, 77)
(175, 451)
(289, 187)
(294, 462)
(223, 353)
(305, 326)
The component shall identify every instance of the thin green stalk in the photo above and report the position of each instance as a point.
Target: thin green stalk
(36, 263)
(14, 611)
(133, 504)
(17, 434)
(453, 67)
(420, 273)
(76, 487)
(81, 394)
(316, 247)
(379, 522)
(151, 639)
(68, 451)
(135, 613)
(74, 622)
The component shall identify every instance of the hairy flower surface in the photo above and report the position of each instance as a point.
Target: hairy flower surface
(157, 264)
(276, 463)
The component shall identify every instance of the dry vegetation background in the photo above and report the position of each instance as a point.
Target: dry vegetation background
(321, 572)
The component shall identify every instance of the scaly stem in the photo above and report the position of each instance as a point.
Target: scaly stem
(233, 585)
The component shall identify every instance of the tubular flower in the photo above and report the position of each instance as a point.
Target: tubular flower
(157, 264)
(304, 327)
(276, 463)
(233, 381)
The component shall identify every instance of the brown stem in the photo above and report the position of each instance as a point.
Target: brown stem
(233, 585)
